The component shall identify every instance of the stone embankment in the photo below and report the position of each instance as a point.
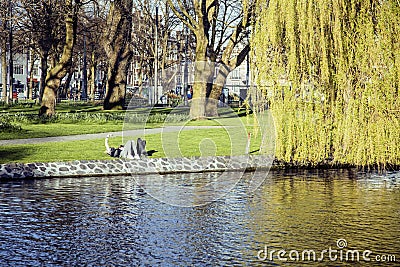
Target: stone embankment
(117, 167)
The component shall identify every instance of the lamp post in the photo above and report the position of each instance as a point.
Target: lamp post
(185, 68)
(84, 74)
(248, 64)
(156, 61)
(10, 54)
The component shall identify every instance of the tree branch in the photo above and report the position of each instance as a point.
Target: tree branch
(184, 16)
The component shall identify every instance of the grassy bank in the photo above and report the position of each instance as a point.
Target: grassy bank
(20, 122)
(17, 122)
(202, 142)
(59, 129)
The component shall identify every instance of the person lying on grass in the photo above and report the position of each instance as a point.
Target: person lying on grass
(131, 150)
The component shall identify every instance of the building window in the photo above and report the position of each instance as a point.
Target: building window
(235, 74)
(18, 69)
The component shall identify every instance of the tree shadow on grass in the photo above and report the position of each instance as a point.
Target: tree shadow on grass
(230, 113)
(254, 151)
(12, 155)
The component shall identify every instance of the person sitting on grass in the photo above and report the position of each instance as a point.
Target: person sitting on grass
(130, 150)
(141, 147)
(112, 151)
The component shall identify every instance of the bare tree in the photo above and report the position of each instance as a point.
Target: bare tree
(219, 26)
(143, 40)
(197, 15)
(4, 21)
(230, 31)
(95, 22)
(42, 25)
(89, 52)
(60, 69)
(116, 42)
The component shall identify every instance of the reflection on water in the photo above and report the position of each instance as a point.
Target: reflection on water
(111, 221)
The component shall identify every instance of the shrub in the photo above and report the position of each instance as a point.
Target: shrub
(85, 117)
(6, 126)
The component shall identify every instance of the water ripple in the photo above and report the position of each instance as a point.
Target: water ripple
(112, 222)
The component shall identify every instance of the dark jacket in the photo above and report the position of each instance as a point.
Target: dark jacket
(115, 152)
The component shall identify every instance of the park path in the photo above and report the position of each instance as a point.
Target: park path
(101, 135)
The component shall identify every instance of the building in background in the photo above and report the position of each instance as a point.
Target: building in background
(176, 78)
(238, 79)
(22, 68)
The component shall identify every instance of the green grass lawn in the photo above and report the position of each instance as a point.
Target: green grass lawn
(75, 107)
(91, 119)
(65, 106)
(60, 129)
(80, 121)
(65, 129)
(204, 142)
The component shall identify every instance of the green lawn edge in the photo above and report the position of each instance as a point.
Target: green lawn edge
(191, 143)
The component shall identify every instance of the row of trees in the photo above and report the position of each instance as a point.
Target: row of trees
(114, 32)
(61, 33)
(330, 71)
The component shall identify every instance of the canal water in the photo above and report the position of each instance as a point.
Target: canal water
(311, 218)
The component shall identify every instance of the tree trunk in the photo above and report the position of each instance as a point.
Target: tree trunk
(228, 64)
(56, 74)
(203, 74)
(116, 84)
(119, 53)
(63, 94)
(213, 100)
(43, 74)
(31, 82)
(218, 85)
(115, 95)
(4, 75)
(141, 77)
(164, 75)
(67, 83)
(92, 84)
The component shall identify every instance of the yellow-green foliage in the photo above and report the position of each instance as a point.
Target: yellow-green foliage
(330, 72)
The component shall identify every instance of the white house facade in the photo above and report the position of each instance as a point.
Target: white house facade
(21, 77)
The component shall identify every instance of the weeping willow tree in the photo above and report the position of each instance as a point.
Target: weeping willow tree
(329, 70)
